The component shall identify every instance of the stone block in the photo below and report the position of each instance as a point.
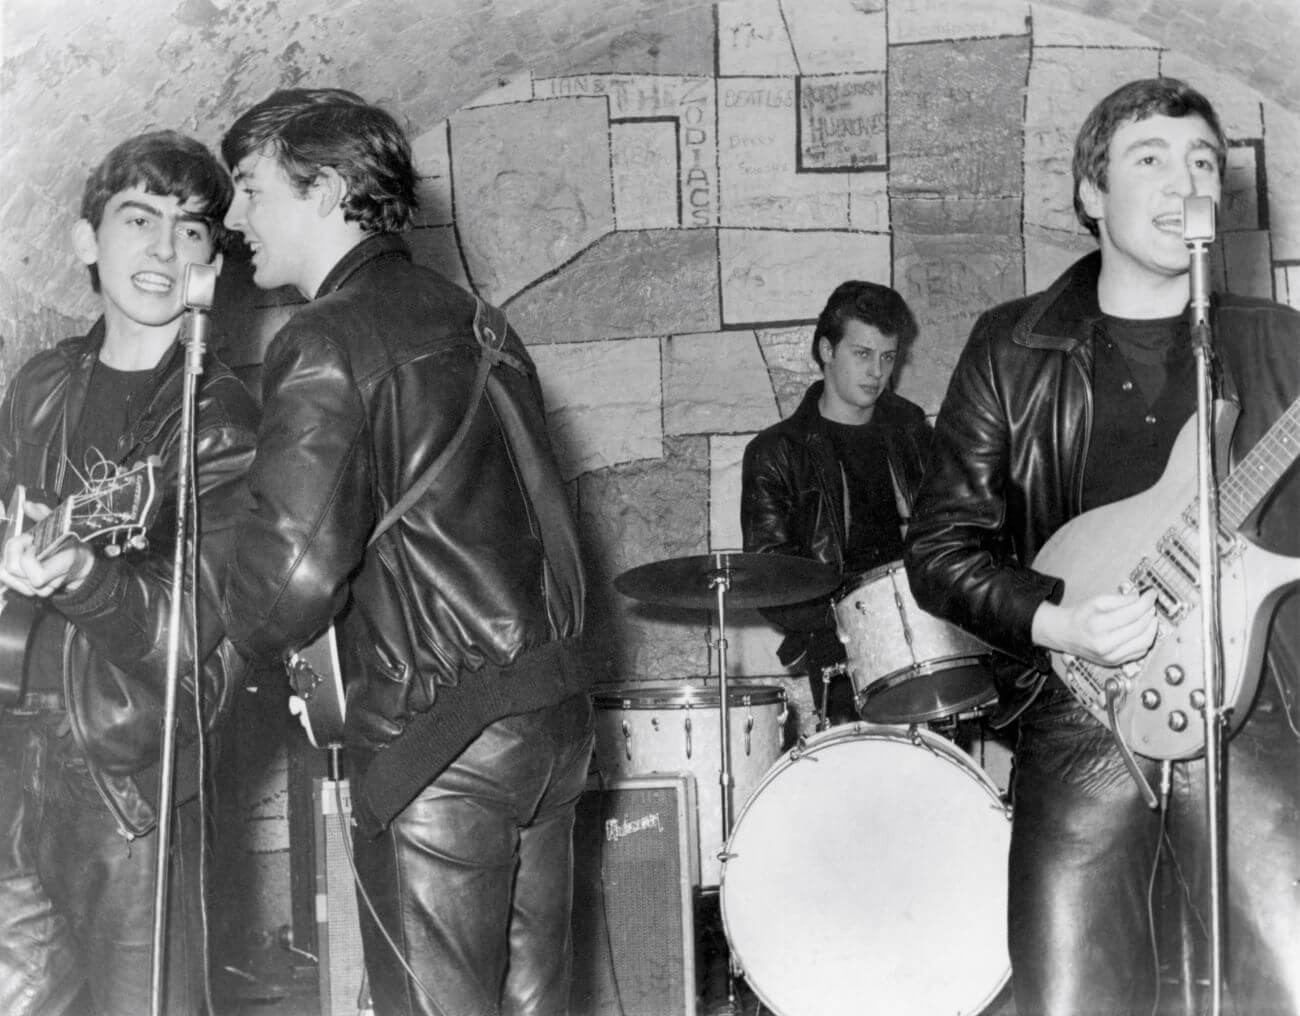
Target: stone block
(1049, 252)
(532, 188)
(1282, 170)
(1240, 201)
(715, 383)
(646, 174)
(837, 36)
(433, 164)
(752, 39)
(842, 122)
(603, 402)
(948, 281)
(690, 100)
(869, 202)
(956, 123)
(1247, 264)
(631, 515)
(758, 164)
(771, 276)
(1064, 85)
(726, 454)
(630, 284)
(1239, 106)
(516, 87)
(437, 248)
(926, 21)
(790, 364)
(1056, 26)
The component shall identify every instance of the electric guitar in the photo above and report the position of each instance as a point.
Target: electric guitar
(318, 698)
(118, 509)
(1151, 541)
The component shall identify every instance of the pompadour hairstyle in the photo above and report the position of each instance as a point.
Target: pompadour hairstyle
(871, 303)
(307, 129)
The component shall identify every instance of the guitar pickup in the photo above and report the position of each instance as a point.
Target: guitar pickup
(1169, 604)
(1175, 550)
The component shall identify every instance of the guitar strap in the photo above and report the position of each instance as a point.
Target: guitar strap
(490, 331)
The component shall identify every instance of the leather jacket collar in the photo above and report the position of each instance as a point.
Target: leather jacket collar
(375, 247)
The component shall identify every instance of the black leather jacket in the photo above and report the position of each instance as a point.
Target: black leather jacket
(792, 494)
(362, 389)
(115, 648)
(1011, 441)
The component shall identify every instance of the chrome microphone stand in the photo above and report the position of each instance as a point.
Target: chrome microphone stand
(199, 289)
(1198, 233)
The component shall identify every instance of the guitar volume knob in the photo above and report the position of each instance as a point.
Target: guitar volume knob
(1174, 674)
(1197, 698)
(1150, 698)
(1178, 721)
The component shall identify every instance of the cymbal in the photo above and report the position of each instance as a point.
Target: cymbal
(752, 580)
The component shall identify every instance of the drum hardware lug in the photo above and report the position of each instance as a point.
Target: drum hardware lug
(749, 727)
(627, 740)
(688, 736)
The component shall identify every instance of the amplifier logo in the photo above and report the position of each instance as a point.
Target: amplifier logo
(616, 830)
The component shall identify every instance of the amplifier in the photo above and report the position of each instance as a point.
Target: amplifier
(633, 898)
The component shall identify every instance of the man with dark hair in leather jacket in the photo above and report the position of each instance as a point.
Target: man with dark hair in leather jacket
(1068, 401)
(80, 750)
(835, 481)
(469, 728)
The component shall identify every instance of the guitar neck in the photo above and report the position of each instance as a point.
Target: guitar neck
(1252, 478)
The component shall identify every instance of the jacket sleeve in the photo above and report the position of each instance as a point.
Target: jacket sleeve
(768, 506)
(961, 563)
(311, 485)
(123, 609)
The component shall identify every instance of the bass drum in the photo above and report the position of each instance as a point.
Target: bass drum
(868, 873)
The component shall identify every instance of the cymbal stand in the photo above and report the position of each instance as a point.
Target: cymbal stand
(720, 583)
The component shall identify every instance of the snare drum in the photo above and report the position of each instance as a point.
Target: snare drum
(908, 666)
(907, 914)
(674, 728)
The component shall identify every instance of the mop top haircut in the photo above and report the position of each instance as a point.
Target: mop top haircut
(871, 303)
(1136, 101)
(305, 130)
(166, 163)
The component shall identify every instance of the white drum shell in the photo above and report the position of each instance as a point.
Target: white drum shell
(664, 729)
(891, 642)
(868, 874)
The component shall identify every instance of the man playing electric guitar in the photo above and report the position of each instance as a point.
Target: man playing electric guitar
(79, 751)
(1064, 402)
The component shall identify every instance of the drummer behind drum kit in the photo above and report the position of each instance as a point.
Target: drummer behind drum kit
(907, 913)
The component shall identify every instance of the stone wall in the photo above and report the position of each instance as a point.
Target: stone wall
(665, 240)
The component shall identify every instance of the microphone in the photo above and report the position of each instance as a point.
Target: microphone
(198, 290)
(1198, 234)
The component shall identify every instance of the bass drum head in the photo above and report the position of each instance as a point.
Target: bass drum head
(868, 874)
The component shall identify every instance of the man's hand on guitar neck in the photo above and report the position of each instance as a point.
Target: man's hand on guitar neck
(63, 571)
(1110, 629)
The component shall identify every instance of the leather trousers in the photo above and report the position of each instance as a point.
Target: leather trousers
(76, 897)
(473, 882)
(1108, 898)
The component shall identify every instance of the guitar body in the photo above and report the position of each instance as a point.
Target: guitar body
(17, 614)
(1127, 544)
(116, 507)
